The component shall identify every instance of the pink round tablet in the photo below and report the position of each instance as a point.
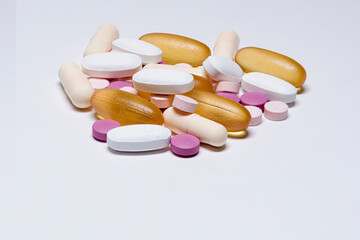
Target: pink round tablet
(256, 115)
(185, 104)
(162, 62)
(119, 84)
(254, 99)
(184, 145)
(276, 110)
(130, 90)
(229, 95)
(101, 127)
(161, 101)
(99, 83)
(227, 86)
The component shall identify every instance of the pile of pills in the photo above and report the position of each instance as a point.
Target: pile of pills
(165, 90)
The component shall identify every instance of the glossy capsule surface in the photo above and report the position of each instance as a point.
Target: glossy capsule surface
(125, 107)
(178, 49)
(252, 59)
(229, 113)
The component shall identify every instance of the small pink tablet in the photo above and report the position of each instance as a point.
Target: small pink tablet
(99, 83)
(119, 84)
(185, 104)
(184, 145)
(256, 115)
(254, 99)
(162, 62)
(130, 90)
(229, 95)
(161, 101)
(101, 127)
(276, 110)
(227, 86)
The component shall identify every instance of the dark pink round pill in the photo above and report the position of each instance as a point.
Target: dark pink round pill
(254, 99)
(229, 95)
(184, 145)
(119, 84)
(101, 127)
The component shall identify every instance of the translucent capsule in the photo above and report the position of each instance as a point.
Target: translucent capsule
(102, 40)
(229, 113)
(125, 107)
(178, 49)
(252, 59)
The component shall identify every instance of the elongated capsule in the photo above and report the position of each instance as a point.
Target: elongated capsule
(227, 45)
(232, 115)
(252, 59)
(201, 80)
(76, 85)
(178, 49)
(102, 40)
(125, 107)
(207, 131)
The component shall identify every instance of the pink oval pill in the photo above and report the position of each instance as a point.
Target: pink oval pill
(227, 86)
(161, 101)
(119, 84)
(184, 145)
(99, 83)
(101, 127)
(130, 90)
(256, 115)
(229, 95)
(276, 110)
(185, 103)
(254, 99)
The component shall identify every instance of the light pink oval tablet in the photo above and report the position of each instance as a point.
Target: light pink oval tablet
(101, 127)
(254, 99)
(161, 101)
(229, 95)
(184, 145)
(99, 83)
(130, 90)
(256, 115)
(119, 84)
(276, 110)
(185, 103)
(227, 86)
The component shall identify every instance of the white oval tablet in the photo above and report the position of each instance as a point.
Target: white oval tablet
(163, 81)
(146, 51)
(111, 65)
(138, 138)
(274, 88)
(223, 69)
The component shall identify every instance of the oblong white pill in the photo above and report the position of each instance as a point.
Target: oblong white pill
(274, 88)
(146, 51)
(138, 138)
(163, 81)
(223, 69)
(111, 64)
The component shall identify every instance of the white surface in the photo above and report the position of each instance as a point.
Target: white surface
(223, 69)
(296, 179)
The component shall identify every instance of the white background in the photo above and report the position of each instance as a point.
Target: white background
(296, 179)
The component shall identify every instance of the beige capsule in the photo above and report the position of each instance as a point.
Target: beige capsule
(102, 40)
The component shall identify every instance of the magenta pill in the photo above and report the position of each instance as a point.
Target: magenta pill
(184, 145)
(254, 99)
(101, 127)
(119, 84)
(229, 95)
(162, 62)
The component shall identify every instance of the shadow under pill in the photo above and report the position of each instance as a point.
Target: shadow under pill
(214, 149)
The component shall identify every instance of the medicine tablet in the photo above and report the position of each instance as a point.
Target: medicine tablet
(185, 103)
(276, 110)
(101, 127)
(184, 65)
(185, 145)
(256, 115)
(254, 99)
(223, 69)
(130, 90)
(161, 101)
(119, 84)
(226, 86)
(229, 95)
(99, 83)
(138, 138)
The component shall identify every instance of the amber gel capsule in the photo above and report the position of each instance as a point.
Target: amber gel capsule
(252, 59)
(125, 107)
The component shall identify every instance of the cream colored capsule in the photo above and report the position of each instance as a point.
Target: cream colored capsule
(227, 45)
(207, 131)
(76, 85)
(102, 40)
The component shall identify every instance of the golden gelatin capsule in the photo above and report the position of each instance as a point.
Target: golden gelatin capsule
(125, 107)
(178, 49)
(234, 116)
(240, 134)
(252, 59)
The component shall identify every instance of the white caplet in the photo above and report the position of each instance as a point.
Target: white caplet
(274, 88)
(223, 69)
(138, 138)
